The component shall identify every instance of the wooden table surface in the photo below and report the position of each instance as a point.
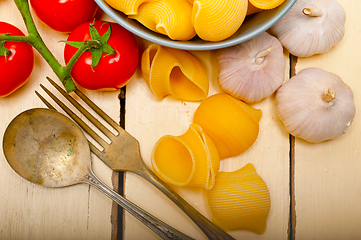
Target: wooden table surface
(315, 189)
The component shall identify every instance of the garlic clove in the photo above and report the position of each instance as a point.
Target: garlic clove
(315, 105)
(253, 70)
(311, 27)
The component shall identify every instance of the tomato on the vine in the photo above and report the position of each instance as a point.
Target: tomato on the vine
(16, 61)
(111, 66)
(64, 15)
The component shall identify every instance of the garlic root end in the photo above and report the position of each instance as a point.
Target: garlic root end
(312, 12)
(259, 58)
(329, 95)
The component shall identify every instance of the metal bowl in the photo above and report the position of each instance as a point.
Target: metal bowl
(252, 26)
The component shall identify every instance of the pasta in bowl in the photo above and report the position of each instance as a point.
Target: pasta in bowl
(242, 27)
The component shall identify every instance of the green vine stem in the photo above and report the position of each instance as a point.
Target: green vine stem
(35, 40)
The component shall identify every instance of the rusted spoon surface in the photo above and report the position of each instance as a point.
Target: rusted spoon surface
(46, 148)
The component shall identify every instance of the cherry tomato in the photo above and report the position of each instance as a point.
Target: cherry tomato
(15, 68)
(64, 15)
(113, 70)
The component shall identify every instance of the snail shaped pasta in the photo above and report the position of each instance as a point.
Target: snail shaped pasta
(169, 17)
(211, 20)
(231, 124)
(128, 7)
(174, 72)
(240, 200)
(217, 20)
(252, 9)
(187, 160)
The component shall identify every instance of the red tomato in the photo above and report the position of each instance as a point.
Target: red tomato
(64, 15)
(113, 71)
(16, 68)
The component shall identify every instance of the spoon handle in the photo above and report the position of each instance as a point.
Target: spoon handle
(162, 229)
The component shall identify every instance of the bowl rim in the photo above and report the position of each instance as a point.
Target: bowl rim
(191, 45)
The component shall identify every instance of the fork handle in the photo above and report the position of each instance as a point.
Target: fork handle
(210, 229)
(162, 229)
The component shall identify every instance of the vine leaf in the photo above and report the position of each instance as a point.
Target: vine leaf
(4, 52)
(97, 52)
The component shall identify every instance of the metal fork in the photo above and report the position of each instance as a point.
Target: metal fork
(123, 154)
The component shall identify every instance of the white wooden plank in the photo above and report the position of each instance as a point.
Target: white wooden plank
(148, 119)
(28, 211)
(327, 174)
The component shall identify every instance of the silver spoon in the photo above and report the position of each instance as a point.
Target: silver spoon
(46, 148)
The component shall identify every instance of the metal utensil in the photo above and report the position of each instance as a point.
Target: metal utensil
(122, 154)
(48, 149)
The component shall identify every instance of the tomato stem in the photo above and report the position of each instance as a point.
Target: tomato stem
(84, 47)
(35, 40)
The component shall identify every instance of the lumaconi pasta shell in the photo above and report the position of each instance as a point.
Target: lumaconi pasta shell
(128, 7)
(252, 9)
(240, 200)
(218, 20)
(174, 72)
(266, 4)
(231, 124)
(187, 160)
(169, 17)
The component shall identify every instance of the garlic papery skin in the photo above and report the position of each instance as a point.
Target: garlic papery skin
(252, 70)
(315, 105)
(311, 27)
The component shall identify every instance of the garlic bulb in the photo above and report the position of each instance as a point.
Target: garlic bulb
(315, 105)
(311, 27)
(252, 70)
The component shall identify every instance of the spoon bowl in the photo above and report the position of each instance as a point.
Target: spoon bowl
(46, 148)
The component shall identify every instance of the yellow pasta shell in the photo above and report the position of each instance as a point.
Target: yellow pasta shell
(240, 200)
(187, 160)
(169, 17)
(231, 123)
(218, 20)
(266, 4)
(129, 7)
(174, 72)
(252, 9)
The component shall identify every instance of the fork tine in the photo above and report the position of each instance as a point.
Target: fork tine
(85, 112)
(45, 101)
(100, 112)
(85, 127)
(91, 104)
(95, 150)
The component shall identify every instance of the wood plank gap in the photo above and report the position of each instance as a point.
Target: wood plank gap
(292, 217)
(117, 215)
